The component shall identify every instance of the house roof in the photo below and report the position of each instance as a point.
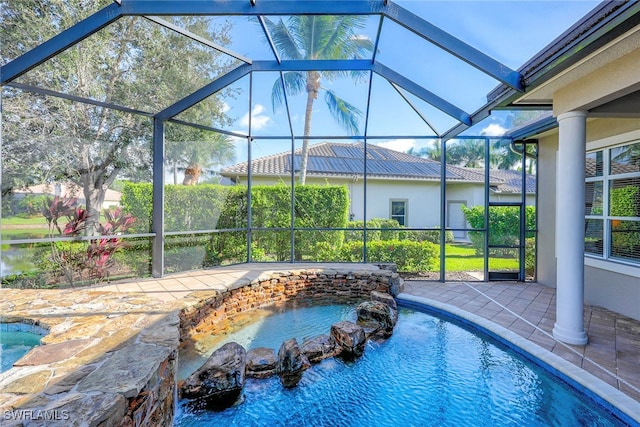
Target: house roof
(607, 21)
(512, 181)
(332, 159)
(66, 189)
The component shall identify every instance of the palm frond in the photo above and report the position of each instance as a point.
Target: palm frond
(331, 76)
(285, 39)
(347, 115)
(359, 76)
(344, 42)
(294, 84)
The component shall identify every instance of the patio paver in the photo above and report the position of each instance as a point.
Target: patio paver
(528, 309)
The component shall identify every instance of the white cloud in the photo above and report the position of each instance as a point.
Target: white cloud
(494, 129)
(402, 145)
(258, 120)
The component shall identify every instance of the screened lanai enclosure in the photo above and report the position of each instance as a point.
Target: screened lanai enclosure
(141, 138)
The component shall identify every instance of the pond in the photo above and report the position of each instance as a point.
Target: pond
(431, 372)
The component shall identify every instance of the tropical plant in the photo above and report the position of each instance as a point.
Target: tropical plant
(318, 37)
(468, 153)
(192, 150)
(434, 152)
(504, 225)
(68, 257)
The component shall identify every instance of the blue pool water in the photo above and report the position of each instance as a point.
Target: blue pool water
(16, 339)
(429, 373)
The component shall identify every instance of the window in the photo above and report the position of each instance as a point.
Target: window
(612, 203)
(399, 211)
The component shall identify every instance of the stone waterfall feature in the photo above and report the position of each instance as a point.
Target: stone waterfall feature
(218, 383)
(350, 338)
(291, 363)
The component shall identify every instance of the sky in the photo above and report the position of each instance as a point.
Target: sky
(510, 32)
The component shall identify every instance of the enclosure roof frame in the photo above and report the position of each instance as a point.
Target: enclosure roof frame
(386, 9)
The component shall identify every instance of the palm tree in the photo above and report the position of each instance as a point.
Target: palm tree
(210, 152)
(191, 149)
(468, 153)
(433, 153)
(318, 37)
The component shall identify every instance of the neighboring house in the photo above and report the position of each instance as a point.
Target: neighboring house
(399, 185)
(111, 199)
(588, 163)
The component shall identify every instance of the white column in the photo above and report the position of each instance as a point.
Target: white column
(569, 326)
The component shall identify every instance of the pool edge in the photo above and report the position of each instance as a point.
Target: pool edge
(623, 406)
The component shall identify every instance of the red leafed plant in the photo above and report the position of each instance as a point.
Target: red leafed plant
(99, 255)
(56, 208)
(100, 251)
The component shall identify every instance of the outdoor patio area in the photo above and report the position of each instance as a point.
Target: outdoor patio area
(527, 309)
(99, 333)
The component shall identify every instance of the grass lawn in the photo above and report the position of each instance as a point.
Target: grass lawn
(14, 227)
(461, 257)
(14, 220)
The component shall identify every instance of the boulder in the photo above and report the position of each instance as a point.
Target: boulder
(349, 337)
(291, 363)
(219, 381)
(319, 348)
(385, 298)
(261, 362)
(377, 318)
(396, 284)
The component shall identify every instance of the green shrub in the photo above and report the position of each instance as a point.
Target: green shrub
(389, 229)
(530, 256)
(407, 255)
(377, 229)
(625, 235)
(218, 207)
(432, 236)
(625, 201)
(504, 225)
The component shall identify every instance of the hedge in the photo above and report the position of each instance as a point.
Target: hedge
(409, 256)
(218, 207)
(504, 222)
(390, 229)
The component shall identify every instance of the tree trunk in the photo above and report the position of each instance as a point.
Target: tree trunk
(313, 86)
(94, 198)
(192, 174)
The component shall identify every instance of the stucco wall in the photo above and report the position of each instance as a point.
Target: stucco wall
(423, 201)
(423, 197)
(547, 162)
(607, 284)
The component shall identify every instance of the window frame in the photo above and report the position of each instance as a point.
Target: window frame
(405, 216)
(606, 179)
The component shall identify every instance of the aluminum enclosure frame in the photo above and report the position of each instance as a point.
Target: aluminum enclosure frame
(66, 39)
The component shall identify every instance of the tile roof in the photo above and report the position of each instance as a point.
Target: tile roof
(331, 159)
(512, 181)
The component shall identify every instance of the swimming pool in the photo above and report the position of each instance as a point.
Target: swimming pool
(16, 339)
(431, 372)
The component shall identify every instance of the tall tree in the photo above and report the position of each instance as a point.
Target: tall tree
(466, 152)
(318, 37)
(191, 150)
(133, 63)
(434, 152)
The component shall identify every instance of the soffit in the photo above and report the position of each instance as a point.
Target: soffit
(543, 94)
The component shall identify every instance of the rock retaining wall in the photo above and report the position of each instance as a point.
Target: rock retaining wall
(211, 312)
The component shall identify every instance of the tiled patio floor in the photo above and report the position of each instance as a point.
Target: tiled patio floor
(528, 309)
